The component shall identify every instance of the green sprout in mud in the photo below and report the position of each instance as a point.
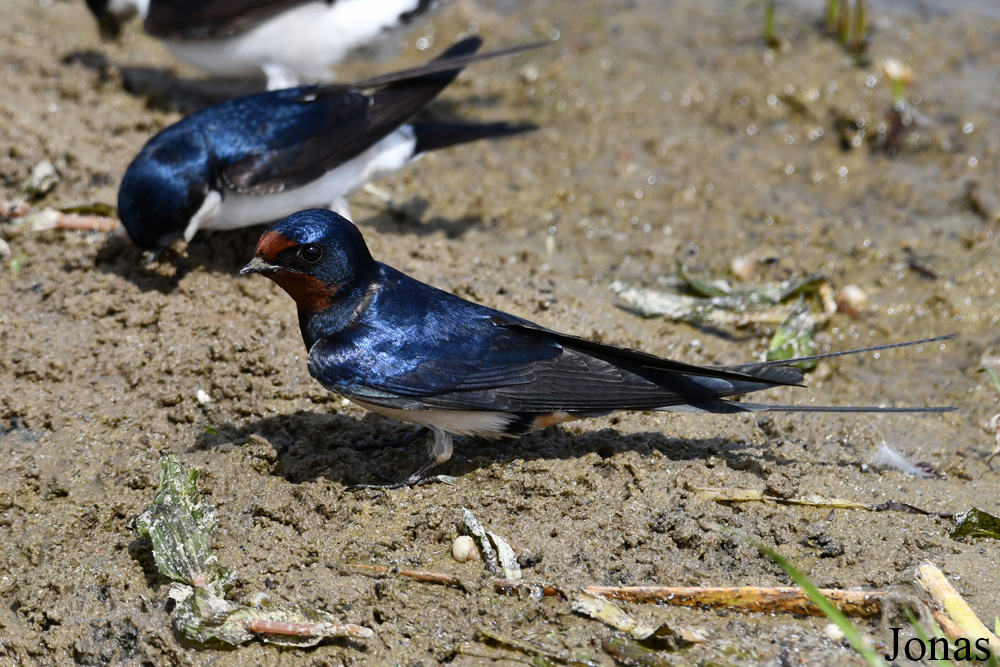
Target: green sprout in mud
(899, 76)
(847, 20)
(770, 31)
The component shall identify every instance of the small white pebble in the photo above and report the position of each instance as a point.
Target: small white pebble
(4, 251)
(203, 397)
(344, 402)
(259, 599)
(833, 633)
(464, 549)
(743, 267)
(851, 299)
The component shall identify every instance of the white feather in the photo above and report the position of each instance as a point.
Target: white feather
(307, 40)
(329, 191)
(887, 457)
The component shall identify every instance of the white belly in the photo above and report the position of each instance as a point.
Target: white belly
(306, 41)
(329, 191)
(489, 424)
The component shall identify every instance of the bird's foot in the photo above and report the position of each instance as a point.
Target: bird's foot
(418, 478)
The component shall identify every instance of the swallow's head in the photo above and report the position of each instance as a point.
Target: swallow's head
(317, 256)
(111, 14)
(163, 189)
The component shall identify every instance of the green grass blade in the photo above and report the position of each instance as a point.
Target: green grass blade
(812, 591)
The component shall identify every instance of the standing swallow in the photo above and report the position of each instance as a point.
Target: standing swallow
(287, 41)
(260, 158)
(404, 349)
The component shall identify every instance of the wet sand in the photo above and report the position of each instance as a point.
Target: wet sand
(664, 133)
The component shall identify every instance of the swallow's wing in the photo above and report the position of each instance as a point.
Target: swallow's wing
(507, 364)
(325, 126)
(199, 19)
(300, 138)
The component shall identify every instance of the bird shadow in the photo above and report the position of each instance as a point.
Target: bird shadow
(306, 446)
(165, 91)
(160, 87)
(217, 252)
(408, 218)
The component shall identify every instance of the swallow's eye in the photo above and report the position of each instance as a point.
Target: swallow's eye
(310, 253)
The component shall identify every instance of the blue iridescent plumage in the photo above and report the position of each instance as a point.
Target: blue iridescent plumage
(259, 158)
(417, 353)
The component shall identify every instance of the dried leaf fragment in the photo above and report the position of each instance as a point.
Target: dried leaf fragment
(179, 523)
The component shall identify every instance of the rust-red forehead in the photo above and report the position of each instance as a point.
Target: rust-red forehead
(271, 243)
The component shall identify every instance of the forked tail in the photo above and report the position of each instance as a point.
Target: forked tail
(432, 136)
(765, 370)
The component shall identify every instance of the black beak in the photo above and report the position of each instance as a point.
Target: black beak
(257, 265)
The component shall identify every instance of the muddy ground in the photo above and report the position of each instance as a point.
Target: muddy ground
(667, 129)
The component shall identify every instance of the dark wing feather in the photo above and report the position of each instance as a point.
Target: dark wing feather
(502, 363)
(199, 19)
(316, 138)
(351, 121)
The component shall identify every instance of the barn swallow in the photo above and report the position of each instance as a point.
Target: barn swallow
(287, 41)
(260, 158)
(407, 350)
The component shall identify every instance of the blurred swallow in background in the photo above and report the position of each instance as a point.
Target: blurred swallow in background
(287, 41)
(404, 349)
(260, 158)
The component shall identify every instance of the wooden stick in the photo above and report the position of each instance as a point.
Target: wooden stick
(957, 609)
(269, 627)
(78, 222)
(527, 589)
(865, 604)
(419, 575)
(948, 626)
(501, 586)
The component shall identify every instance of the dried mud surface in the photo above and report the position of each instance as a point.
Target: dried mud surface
(666, 131)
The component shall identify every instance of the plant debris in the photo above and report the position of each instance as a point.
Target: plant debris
(179, 523)
(752, 495)
(501, 586)
(664, 636)
(43, 179)
(818, 598)
(956, 610)
(751, 599)
(53, 218)
(496, 552)
(794, 338)
(976, 523)
(717, 303)
(994, 423)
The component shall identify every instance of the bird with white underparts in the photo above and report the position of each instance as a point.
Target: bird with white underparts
(257, 159)
(287, 41)
(407, 350)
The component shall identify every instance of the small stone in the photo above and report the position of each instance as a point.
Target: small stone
(203, 397)
(851, 300)
(743, 267)
(833, 633)
(464, 549)
(4, 251)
